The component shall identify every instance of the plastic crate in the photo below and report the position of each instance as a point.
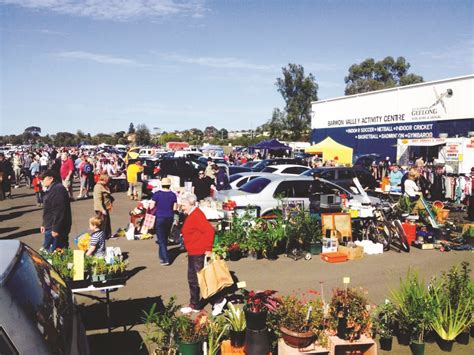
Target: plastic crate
(335, 257)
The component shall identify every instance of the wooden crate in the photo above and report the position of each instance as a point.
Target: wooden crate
(284, 349)
(363, 346)
(227, 349)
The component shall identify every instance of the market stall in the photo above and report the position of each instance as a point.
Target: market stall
(329, 149)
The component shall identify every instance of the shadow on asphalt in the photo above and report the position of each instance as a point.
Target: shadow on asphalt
(15, 208)
(13, 215)
(117, 343)
(127, 313)
(20, 234)
(8, 229)
(22, 195)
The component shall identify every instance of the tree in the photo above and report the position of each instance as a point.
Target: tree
(223, 134)
(210, 132)
(142, 135)
(371, 75)
(131, 128)
(298, 91)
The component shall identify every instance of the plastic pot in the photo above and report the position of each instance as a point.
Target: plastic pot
(445, 345)
(386, 343)
(463, 338)
(237, 338)
(417, 348)
(256, 320)
(189, 348)
(403, 338)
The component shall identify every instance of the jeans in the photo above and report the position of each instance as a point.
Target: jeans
(51, 243)
(195, 264)
(39, 197)
(163, 228)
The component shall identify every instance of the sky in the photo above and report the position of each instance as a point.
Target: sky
(97, 65)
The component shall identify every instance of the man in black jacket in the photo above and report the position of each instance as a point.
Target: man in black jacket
(57, 218)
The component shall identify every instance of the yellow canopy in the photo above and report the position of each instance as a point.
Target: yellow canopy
(329, 149)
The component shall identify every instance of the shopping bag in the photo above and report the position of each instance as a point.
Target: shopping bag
(148, 223)
(130, 233)
(214, 277)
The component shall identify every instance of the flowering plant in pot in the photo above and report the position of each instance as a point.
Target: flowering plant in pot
(190, 332)
(300, 320)
(384, 320)
(349, 316)
(256, 307)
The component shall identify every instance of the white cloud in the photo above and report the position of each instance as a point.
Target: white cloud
(118, 10)
(98, 58)
(214, 62)
(458, 53)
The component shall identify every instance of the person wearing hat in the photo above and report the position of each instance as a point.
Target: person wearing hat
(165, 203)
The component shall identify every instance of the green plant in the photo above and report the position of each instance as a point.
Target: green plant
(300, 314)
(384, 319)
(350, 306)
(118, 267)
(453, 297)
(99, 266)
(305, 227)
(414, 306)
(235, 317)
(216, 330)
(160, 327)
(191, 330)
(260, 301)
(274, 232)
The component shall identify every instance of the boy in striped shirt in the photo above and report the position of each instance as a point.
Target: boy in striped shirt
(97, 240)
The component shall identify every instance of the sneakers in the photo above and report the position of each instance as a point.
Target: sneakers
(218, 307)
(189, 309)
(163, 263)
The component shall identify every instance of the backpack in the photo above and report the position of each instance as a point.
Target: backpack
(87, 169)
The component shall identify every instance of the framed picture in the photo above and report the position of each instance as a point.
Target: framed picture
(291, 208)
(250, 211)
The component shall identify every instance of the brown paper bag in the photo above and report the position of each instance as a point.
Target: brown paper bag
(214, 277)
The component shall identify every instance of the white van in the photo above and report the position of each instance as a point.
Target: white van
(187, 154)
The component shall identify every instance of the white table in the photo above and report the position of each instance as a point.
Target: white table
(106, 300)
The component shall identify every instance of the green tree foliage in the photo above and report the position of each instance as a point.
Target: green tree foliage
(223, 134)
(298, 91)
(210, 132)
(142, 135)
(169, 137)
(371, 75)
(131, 128)
(64, 139)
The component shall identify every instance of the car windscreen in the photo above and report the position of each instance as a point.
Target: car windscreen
(44, 298)
(269, 169)
(255, 186)
(234, 177)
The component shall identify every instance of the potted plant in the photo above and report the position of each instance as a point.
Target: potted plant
(274, 233)
(216, 329)
(236, 319)
(256, 307)
(452, 296)
(99, 269)
(190, 332)
(160, 328)
(348, 314)
(310, 231)
(255, 241)
(384, 320)
(300, 320)
(415, 306)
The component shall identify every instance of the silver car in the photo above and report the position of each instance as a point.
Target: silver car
(37, 312)
(267, 192)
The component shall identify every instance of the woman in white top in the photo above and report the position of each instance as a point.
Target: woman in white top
(413, 191)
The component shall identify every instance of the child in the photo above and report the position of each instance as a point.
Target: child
(97, 240)
(38, 189)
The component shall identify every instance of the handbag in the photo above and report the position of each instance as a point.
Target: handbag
(214, 277)
(148, 223)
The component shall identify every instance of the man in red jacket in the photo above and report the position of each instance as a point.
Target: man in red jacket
(198, 237)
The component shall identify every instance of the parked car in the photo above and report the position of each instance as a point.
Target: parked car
(38, 315)
(344, 176)
(238, 169)
(267, 191)
(286, 169)
(237, 180)
(216, 160)
(262, 164)
(186, 169)
(250, 164)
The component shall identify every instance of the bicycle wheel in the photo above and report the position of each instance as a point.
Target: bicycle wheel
(400, 235)
(379, 232)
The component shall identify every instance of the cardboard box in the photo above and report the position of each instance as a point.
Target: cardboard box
(423, 246)
(284, 349)
(329, 245)
(354, 253)
(364, 345)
